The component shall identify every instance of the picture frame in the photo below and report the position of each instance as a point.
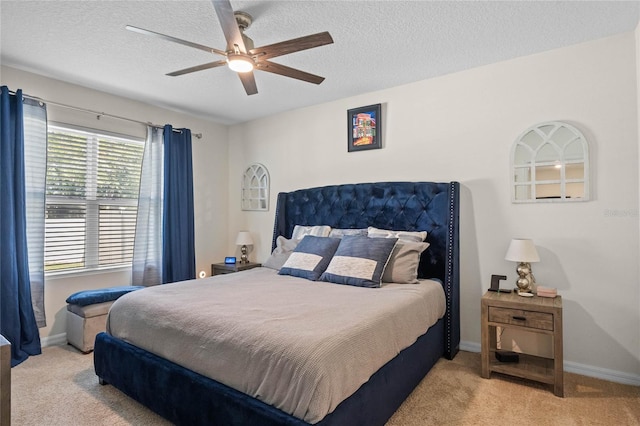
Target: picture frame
(364, 128)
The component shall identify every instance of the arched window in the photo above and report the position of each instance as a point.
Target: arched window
(550, 162)
(255, 188)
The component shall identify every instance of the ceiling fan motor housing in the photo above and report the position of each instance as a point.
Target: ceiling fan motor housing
(243, 19)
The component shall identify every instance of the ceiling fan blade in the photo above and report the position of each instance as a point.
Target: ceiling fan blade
(198, 68)
(229, 25)
(249, 82)
(175, 40)
(290, 46)
(286, 71)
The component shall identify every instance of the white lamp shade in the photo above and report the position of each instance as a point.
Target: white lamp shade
(521, 250)
(244, 239)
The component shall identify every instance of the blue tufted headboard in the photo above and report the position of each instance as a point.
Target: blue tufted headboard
(410, 206)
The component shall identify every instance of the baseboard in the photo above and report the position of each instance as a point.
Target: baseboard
(574, 367)
(56, 339)
(602, 373)
(470, 346)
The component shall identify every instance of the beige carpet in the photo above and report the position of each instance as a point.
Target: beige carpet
(59, 387)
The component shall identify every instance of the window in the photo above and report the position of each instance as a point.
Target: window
(91, 200)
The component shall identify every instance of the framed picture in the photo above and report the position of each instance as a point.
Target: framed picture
(364, 128)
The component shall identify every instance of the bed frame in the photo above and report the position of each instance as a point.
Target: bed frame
(185, 397)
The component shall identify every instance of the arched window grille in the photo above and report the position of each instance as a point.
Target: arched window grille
(550, 162)
(255, 188)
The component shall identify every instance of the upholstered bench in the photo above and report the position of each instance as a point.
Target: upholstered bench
(87, 314)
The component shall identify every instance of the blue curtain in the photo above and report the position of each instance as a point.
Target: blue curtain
(17, 319)
(178, 238)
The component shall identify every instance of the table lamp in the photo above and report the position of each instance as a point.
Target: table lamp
(244, 239)
(523, 251)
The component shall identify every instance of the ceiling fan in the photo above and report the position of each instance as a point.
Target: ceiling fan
(240, 55)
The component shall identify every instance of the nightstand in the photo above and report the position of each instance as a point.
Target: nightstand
(5, 381)
(534, 314)
(228, 268)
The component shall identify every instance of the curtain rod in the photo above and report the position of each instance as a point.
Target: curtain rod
(100, 114)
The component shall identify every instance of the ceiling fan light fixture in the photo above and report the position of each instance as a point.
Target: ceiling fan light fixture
(241, 55)
(239, 62)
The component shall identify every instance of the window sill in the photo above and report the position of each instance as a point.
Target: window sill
(52, 276)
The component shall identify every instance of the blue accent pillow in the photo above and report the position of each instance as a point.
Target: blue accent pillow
(91, 297)
(310, 257)
(359, 261)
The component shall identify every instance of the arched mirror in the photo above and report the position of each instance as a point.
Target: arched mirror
(255, 188)
(550, 163)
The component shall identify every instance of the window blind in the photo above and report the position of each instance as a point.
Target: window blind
(91, 199)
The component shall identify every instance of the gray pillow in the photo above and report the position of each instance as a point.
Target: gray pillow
(403, 264)
(281, 253)
(339, 233)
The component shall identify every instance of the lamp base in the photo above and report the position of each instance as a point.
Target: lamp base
(243, 257)
(525, 279)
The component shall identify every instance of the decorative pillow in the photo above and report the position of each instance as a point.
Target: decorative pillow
(339, 233)
(281, 253)
(359, 261)
(310, 258)
(101, 295)
(300, 231)
(417, 237)
(403, 264)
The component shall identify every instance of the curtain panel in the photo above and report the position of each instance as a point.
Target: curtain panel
(147, 248)
(178, 247)
(164, 248)
(35, 155)
(17, 318)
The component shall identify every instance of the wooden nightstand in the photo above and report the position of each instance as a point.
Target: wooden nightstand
(228, 268)
(5, 381)
(534, 314)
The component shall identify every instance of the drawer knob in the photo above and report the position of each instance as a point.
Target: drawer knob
(519, 318)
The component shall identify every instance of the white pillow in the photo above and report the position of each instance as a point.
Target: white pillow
(299, 231)
(417, 236)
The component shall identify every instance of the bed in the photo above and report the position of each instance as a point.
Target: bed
(184, 395)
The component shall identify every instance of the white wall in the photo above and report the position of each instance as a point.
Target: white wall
(209, 168)
(461, 127)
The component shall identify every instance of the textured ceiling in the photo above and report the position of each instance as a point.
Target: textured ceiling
(378, 44)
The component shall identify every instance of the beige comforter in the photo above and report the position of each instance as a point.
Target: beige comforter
(299, 345)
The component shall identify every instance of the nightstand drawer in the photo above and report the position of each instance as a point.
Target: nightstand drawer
(531, 319)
